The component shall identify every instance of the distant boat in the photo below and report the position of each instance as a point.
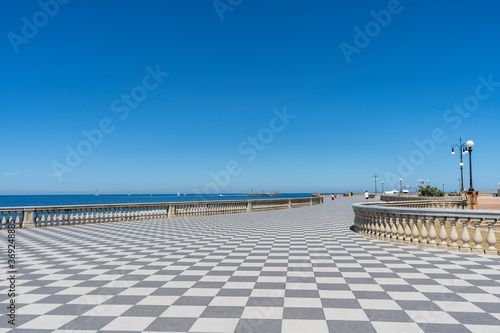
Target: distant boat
(178, 194)
(96, 193)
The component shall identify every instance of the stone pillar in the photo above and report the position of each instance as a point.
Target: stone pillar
(289, 203)
(171, 211)
(472, 199)
(28, 218)
(249, 206)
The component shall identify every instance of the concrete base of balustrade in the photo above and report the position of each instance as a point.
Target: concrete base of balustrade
(441, 246)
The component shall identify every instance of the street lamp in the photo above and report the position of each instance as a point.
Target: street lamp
(463, 150)
(375, 177)
(400, 186)
(382, 187)
(461, 179)
(469, 145)
(443, 187)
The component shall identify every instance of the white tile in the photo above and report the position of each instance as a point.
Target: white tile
(37, 309)
(182, 311)
(201, 292)
(239, 285)
(90, 299)
(396, 327)
(379, 304)
(158, 300)
(407, 295)
(268, 293)
(345, 314)
(219, 325)
(457, 306)
(229, 301)
(483, 328)
(262, 312)
(301, 286)
(476, 297)
(365, 287)
(301, 326)
(303, 302)
(107, 310)
(432, 317)
(47, 322)
(129, 324)
(339, 294)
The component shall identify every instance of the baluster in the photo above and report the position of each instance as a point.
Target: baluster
(453, 235)
(414, 231)
(43, 221)
(491, 239)
(377, 226)
(4, 220)
(407, 239)
(401, 231)
(50, 218)
(394, 229)
(18, 220)
(477, 238)
(465, 236)
(443, 234)
(432, 233)
(423, 232)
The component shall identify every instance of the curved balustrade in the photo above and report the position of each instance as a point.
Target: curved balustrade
(446, 229)
(31, 217)
(451, 204)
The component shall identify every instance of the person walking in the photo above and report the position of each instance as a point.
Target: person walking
(333, 196)
(367, 195)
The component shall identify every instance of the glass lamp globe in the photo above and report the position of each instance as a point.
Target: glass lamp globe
(469, 144)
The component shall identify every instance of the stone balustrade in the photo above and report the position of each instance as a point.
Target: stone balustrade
(44, 216)
(447, 204)
(430, 227)
(395, 197)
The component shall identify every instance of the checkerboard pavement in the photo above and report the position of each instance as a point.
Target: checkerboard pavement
(295, 270)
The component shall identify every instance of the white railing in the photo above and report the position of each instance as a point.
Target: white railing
(430, 227)
(44, 216)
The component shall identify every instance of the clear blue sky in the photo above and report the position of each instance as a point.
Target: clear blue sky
(353, 106)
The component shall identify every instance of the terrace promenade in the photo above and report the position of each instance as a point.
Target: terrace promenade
(290, 270)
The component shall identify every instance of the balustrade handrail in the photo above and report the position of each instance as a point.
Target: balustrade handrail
(416, 226)
(395, 197)
(40, 216)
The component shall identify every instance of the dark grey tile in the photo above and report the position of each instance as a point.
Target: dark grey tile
(388, 315)
(259, 325)
(87, 322)
(222, 312)
(340, 303)
(171, 325)
(350, 326)
(303, 313)
(371, 295)
(193, 300)
(266, 301)
(443, 328)
(145, 310)
(169, 291)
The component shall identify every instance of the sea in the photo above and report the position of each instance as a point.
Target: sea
(58, 200)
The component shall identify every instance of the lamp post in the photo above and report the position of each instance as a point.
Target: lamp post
(382, 187)
(469, 145)
(443, 187)
(375, 177)
(459, 189)
(400, 186)
(463, 150)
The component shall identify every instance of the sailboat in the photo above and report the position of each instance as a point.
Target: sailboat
(178, 194)
(96, 193)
